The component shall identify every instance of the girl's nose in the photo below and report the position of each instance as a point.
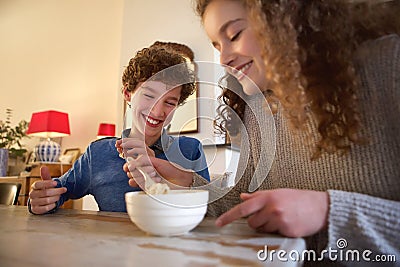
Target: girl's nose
(226, 55)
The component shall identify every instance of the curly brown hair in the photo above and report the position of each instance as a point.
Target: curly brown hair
(149, 62)
(308, 48)
(184, 50)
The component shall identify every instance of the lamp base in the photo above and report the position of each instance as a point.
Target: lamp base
(47, 151)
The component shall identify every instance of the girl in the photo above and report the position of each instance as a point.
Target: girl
(329, 70)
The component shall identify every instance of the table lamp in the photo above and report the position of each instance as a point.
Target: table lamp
(106, 130)
(48, 124)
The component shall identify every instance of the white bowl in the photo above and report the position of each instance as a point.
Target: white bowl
(175, 213)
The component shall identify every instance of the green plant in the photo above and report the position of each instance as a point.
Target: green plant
(10, 137)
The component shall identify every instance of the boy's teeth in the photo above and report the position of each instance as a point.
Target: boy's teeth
(153, 121)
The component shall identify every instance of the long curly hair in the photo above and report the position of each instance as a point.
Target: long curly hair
(308, 48)
(151, 61)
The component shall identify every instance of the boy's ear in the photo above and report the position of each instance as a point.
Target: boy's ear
(127, 94)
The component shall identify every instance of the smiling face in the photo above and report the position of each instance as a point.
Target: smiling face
(227, 25)
(153, 106)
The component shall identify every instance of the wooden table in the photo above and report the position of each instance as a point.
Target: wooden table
(89, 238)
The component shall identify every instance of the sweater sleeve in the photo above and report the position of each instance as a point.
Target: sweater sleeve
(365, 222)
(223, 199)
(220, 199)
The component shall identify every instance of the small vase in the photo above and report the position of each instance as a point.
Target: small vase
(47, 151)
(3, 162)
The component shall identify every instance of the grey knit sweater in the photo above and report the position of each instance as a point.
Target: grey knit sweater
(363, 185)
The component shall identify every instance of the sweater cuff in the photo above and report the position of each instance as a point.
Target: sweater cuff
(363, 221)
(198, 181)
(341, 219)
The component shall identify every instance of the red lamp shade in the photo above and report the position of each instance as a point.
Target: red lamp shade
(49, 124)
(106, 129)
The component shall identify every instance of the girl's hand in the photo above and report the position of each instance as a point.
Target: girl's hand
(290, 212)
(156, 168)
(172, 172)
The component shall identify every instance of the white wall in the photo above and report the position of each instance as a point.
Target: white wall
(69, 55)
(61, 55)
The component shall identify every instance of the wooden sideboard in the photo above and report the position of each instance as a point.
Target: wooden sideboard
(56, 170)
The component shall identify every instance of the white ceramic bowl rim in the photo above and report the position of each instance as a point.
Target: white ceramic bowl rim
(165, 199)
